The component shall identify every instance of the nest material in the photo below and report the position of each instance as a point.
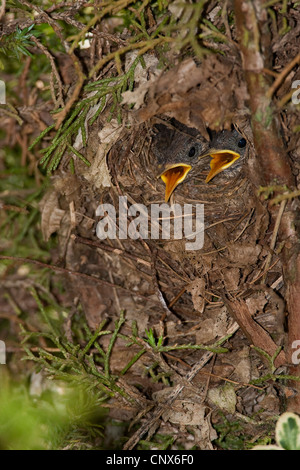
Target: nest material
(235, 221)
(154, 278)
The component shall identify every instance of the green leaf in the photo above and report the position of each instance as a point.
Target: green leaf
(288, 431)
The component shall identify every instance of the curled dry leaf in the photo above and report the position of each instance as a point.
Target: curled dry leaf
(51, 214)
(197, 290)
(98, 174)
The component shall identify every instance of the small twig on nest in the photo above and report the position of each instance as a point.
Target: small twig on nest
(60, 117)
(274, 238)
(265, 271)
(177, 297)
(55, 25)
(256, 334)
(282, 75)
(111, 249)
(125, 254)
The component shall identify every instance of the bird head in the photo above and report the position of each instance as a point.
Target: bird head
(226, 150)
(177, 149)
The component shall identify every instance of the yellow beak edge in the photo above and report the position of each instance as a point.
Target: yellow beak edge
(221, 159)
(173, 176)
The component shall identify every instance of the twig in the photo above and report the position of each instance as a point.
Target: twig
(153, 254)
(55, 25)
(265, 271)
(111, 249)
(180, 293)
(60, 101)
(144, 46)
(81, 77)
(125, 254)
(274, 238)
(282, 75)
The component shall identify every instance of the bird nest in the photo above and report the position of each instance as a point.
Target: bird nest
(193, 298)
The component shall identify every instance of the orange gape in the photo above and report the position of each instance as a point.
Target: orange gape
(221, 159)
(176, 174)
(179, 152)
(173, 176)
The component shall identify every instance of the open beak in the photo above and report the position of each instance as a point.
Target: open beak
(173, 176)
(221, 159)
(176, 174)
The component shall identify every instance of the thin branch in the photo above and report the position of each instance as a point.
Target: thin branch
(58, 102)
(282, 75)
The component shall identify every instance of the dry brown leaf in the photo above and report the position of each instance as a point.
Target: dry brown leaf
(206, 334)
(51, 214)
(231, 278)
(98, 174)
(240, 359)
(243, 254)
(213, 328)
(223, 397)
(197, 289)
(256, 303)
(186, 411)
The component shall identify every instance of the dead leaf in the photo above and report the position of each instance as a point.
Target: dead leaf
(185, 411)
(223, 397)
(137, 96)
(231, 278)
(144, 77)
(256, 303)
(197, 289)
(213, 328)
(51, 214)
(243, 254)
(240, 359)
(98, 173)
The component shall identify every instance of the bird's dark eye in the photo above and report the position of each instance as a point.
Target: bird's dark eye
(242, 143)
(192, 152)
